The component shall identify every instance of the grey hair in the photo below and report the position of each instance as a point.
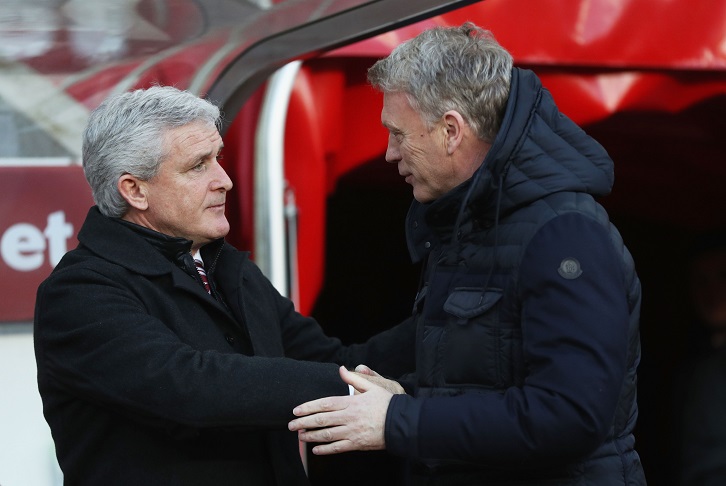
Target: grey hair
(450, 68)
(125, 135)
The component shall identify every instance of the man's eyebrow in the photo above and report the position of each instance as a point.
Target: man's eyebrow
(209, 153)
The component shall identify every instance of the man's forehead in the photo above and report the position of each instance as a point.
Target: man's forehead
(194, 134)
(394, 106)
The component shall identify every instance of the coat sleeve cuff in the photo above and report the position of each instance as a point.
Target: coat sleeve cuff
(401, 432)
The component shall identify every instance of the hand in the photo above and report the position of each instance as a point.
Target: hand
(345, 423)
(373, 377)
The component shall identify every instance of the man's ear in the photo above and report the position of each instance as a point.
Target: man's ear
(134, 191)
(455, 125)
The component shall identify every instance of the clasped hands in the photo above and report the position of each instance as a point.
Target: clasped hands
(348, 423)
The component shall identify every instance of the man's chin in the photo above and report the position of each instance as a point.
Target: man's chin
(223, 233)
(422, 198)
(221, 230)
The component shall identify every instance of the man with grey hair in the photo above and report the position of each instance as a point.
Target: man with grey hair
(525, 326)
(164, 356)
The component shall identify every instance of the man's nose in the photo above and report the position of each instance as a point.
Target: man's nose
(223, 180)
(393, 155)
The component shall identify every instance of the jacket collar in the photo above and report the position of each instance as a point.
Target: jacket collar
(538, 151)
(139, 249)
(173, 248)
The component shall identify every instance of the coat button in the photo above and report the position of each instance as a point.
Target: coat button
(427, 244)
(230, 339)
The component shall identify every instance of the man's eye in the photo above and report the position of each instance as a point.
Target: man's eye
(199, 167)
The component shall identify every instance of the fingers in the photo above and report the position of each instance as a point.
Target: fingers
(330, 440)
(316, 420)
(327, 404)
(346, 423)
(360, 383)
(334, 448)
(329, 434)
(324, 412)
(364, 370)
(388, 385)
(334, 440)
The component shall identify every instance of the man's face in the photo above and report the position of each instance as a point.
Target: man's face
(186, 197)
(420, 152)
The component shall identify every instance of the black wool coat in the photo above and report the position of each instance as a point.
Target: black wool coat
(146, 379)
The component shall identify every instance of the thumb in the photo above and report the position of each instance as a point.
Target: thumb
(364, 370)
(359, 383)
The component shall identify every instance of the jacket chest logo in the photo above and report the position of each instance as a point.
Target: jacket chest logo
(569, 268)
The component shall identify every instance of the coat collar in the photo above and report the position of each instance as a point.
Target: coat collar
(537, 152)
(139, 249)
(152, 254)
